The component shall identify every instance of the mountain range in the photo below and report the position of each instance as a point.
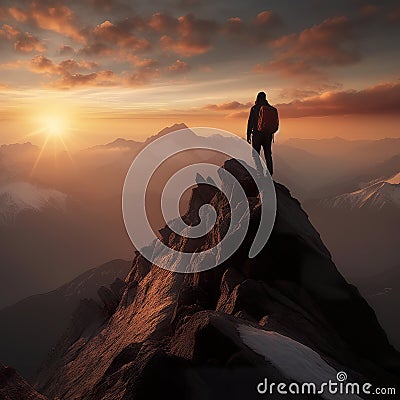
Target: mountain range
(31, 327)
(69, 218)
(217, 334)
(376, 195)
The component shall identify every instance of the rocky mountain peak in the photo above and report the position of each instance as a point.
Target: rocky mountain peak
(219, 332)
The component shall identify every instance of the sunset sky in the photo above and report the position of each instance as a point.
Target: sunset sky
(95, 70)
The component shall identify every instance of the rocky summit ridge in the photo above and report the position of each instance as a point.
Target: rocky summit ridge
(287, 315)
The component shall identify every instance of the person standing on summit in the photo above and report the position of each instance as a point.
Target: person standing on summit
(262, 124)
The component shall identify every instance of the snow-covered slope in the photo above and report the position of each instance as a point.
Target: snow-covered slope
(295, 360)
(19, 196)
(376, 195)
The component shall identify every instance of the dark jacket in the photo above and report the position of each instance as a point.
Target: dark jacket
(253, 119)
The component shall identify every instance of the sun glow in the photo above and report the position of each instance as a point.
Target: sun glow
(55, 125)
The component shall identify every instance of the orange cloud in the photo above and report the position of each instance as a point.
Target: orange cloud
(328, 43)
(380, 99)
(238, 115)
(234, 26)
(23, 42)
(110, 33)
(97, 49)
(41, 65)
(58, 18)
(101, 78)
(186, 47)
(27, 43)
(232, 105)
(44, 65)
(186, 35)
(161, 22)
(67, 50)
(179, 67)
(267, 18)
(18, 14)
(70, 75)
(146, 71)
(13, 65)
(9, 32)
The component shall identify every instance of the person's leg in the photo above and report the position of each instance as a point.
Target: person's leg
(256, 143)
(266, 144)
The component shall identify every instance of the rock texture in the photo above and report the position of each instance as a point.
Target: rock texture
(14, 387)
(287, 315)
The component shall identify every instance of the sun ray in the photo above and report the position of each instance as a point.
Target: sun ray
(40, 155)
(67, 151)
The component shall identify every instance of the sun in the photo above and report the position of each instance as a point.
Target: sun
(54, 125)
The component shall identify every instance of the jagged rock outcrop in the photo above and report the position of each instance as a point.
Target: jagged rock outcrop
(13, 386)
(216, 334)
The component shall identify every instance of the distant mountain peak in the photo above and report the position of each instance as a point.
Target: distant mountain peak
(166, 130)
(375, 195)
(19, 196)
(119, 143)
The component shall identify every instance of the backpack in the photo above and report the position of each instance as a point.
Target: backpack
(267, 120)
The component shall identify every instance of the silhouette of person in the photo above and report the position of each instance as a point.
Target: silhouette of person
(262, 124)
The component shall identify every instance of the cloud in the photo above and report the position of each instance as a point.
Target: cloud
(302, 93)
(9, 32)
(70, 73)
(330, 43)
(186, 47)
(267, 18)
(18, 14)
(27, 43)
(43, 65)
(23, 42)
(234, 26)
(232, 105)
(101, 78)
(161, 22)
(380, 99)
(97, 49)
(13, 65)
(67, 50)
(179, 67)
(3, 14)
(238, 115)
(187, 35)
(53, 16)
(146, 70)
(120, 34)
(115, 39)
